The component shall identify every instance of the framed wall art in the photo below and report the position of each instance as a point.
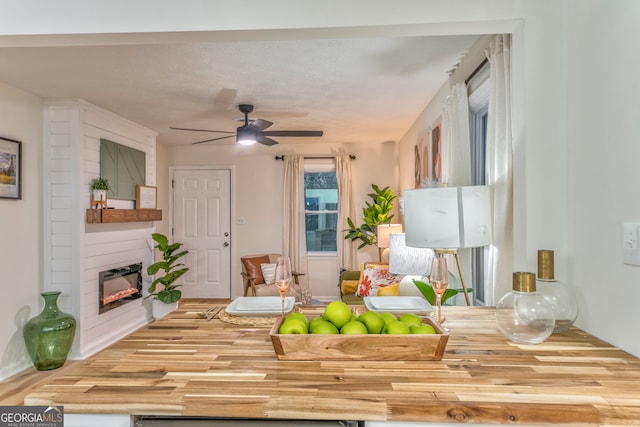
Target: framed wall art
(145, 197)
(10, 169)
(436, 155)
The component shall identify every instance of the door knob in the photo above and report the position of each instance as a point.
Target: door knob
(226, 244)
(226, 234)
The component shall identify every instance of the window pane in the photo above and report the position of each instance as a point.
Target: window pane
(321, 206)
(321, 238)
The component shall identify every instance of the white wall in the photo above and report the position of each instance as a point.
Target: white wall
(20, 229)
(603, 190)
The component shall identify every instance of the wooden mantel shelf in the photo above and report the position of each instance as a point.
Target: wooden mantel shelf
(104, 216)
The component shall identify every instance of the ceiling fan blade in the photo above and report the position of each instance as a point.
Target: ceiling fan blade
(293, 133)
(265, 140)
(201, 130)
(260, 124)
(213, 139)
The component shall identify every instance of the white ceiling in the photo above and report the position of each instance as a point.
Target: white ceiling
(355, 89)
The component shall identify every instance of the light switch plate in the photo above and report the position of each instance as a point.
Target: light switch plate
(630, 246)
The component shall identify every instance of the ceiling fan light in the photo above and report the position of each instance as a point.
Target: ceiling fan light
(246, 136)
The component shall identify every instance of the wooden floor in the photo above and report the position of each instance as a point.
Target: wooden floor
(184, 365)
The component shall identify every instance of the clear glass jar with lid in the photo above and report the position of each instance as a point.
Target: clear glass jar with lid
(558, 293)
(522, 314)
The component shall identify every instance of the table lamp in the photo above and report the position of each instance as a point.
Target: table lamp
(407, 260)
(383, 231)
(446, 219)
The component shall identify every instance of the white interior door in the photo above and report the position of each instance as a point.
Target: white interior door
(202, 221)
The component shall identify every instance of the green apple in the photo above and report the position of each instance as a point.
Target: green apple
(354, 327)
(315, 321)
(338, 313)
(324, 327)
(422, 329)
(293, 326)
(411, 319)
(388, 317)
(299, 316)
(395, 328)
(373, 321)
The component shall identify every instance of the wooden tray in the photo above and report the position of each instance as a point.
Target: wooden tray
(360, 347)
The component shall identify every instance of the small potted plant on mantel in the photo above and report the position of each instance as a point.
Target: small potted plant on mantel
(164, 290)
(99, 187)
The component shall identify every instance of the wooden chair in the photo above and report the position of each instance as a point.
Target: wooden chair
(253, 279)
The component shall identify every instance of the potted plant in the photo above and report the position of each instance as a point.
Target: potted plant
(378, 211)
(99, 186)
(164, 289)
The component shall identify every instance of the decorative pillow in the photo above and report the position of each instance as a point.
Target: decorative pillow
(373, 277)
(349, 286)
(269, 273)
(252, 266)
(389, 291)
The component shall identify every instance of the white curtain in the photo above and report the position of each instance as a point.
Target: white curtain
(456, 161)
(346, 249)
(294, 231)
(500, 168)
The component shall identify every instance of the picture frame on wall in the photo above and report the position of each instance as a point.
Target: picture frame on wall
(436, 154)
(10, 169)
(146, 197)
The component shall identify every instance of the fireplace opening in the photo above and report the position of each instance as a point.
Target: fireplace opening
(119, 286)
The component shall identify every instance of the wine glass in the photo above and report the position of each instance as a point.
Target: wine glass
(439, 279)
(283, 277)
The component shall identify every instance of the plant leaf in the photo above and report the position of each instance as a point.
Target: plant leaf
(426, 290)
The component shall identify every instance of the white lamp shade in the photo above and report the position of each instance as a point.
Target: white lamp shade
(406, 260)
(448, 217)
(384, 230)
(476, 216)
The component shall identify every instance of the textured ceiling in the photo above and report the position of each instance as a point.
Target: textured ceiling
(355, 90)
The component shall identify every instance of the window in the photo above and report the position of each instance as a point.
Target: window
(479, 112)
(321, 205)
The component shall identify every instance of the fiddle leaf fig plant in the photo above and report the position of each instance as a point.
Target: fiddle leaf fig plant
(378, 211)
(429, 294)
(173, 270)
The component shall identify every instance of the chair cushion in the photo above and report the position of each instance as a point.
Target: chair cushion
(269, 273)
(267, 290)
(352, 299)
(252, 266)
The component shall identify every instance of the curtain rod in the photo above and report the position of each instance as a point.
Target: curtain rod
(476, 71)
(351, 156)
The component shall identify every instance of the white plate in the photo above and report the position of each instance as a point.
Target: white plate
(261, 306)
(398, 304)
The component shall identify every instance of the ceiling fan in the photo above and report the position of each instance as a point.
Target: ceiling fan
(254, 130)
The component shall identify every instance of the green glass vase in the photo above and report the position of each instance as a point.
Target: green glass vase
(49, 335)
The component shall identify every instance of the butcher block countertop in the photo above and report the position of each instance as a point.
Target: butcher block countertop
(184, 365)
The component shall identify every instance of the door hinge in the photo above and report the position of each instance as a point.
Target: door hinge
(172, 183)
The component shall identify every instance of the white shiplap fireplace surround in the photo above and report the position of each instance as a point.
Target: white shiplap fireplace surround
(74, 251)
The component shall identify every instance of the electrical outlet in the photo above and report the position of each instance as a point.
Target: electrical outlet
(631, 250)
